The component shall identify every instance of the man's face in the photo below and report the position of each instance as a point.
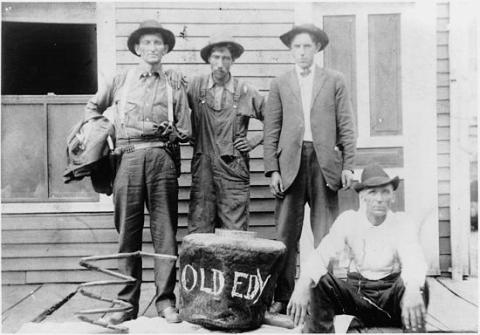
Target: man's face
(151, 49)
(220, 61)
(303, 49)
(378, 200)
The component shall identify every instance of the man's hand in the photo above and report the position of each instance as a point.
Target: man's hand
(298, 305)
(413, 310)
(347, 178)
(276, 185)
(242, 144)
(176, 79)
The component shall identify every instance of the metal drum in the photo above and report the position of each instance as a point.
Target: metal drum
(227, 278)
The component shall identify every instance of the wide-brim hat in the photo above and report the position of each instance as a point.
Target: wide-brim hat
(151, 27)
(319, 34)
(221, 39)
(372, 176)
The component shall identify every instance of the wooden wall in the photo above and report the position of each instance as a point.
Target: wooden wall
(443, 133)
(38, 248)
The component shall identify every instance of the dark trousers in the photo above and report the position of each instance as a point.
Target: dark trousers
(309, 186)
(375, 303)
(147, 177)
(220, 193)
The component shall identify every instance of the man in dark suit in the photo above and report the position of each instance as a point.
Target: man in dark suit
(309, 147)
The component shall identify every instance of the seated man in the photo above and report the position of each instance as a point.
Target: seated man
(385, 285)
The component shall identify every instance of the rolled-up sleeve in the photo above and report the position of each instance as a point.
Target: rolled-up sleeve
(411, 256)
(329, 249)
(183, 122)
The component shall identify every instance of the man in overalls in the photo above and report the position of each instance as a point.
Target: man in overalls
(147, 113)
(221, 109)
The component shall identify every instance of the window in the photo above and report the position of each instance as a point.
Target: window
(41, 58)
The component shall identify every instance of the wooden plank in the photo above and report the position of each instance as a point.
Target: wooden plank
(443, 120)
(443, 147)
(385, 74)
(193, 56)
(207, 29)
(60, 119)
(202, 15)
(12, 295)
(94, 235)
(197, 43)
(444, 200)
(443, 160)
(443, 107)
(66, 12)
(442, 52)
(445, 263)
(443, 10)
(444, 213)
(442, 38)
(466, 289)
(445, 248)
(341, 52)
(444, 228)
(23, 164)
(442, 24)
(443, 93)
(18, 277)
(73, 276)
(26, 311)
(456, 315)
(444, 187)
(224, 5)
(443, 66)
(443, 133)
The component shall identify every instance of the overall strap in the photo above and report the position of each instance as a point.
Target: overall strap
(203, 87)
(236, 95)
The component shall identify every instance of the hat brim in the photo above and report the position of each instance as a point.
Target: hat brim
(167, 36)
(376, 182)
(319, 34)
(235, 48)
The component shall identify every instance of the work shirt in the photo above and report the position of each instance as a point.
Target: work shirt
(216, 120)
(373, 251)
(306, 89)
(146, 105)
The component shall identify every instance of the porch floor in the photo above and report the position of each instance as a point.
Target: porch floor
(453, 308)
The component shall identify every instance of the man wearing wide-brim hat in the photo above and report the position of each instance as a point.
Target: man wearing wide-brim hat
(309, 147)
(150, 118)
(222, 106)
(385, 284)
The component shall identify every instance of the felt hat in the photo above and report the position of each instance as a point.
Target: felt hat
(218, 40)
(319, 34)
(151, 27)
(372, 176)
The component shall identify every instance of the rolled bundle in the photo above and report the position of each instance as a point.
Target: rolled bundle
(227, 278)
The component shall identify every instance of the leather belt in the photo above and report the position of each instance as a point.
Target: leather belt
(138, 146)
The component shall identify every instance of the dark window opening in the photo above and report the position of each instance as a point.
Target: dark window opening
(41, 58)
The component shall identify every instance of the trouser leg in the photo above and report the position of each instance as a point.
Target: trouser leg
(332, 296)
(202, 208)
(322, 200)
(128, 197)
(289, 213)
(232, 188)
(162, 202)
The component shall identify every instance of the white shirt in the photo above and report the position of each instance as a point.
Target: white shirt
(373, 251)
(306, 88)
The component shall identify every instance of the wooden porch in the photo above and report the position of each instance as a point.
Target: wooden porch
(47, 308)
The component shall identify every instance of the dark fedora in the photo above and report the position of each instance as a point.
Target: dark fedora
(318, 33)
(221, 39)
(372, 176)
(151, 27)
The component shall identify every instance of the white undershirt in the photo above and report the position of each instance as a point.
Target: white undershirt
(306, 88)
(373, 251)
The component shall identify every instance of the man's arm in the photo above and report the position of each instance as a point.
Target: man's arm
(272, 126)
(103, 98)
(183, 123)
(317, 266)
(414, 271)
(345, 130)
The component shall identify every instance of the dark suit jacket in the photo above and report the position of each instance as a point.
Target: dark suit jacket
(331, 120)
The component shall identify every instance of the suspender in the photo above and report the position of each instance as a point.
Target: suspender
(169, 101)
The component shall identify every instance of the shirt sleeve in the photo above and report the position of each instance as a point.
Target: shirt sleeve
(410, 254)
(329, 248)
(103, 98)
(182, 115)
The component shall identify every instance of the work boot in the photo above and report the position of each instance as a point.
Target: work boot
(278, 307)
(170, 314)
(118, 317)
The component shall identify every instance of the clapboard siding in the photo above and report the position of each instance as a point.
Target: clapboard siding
(443, 134)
